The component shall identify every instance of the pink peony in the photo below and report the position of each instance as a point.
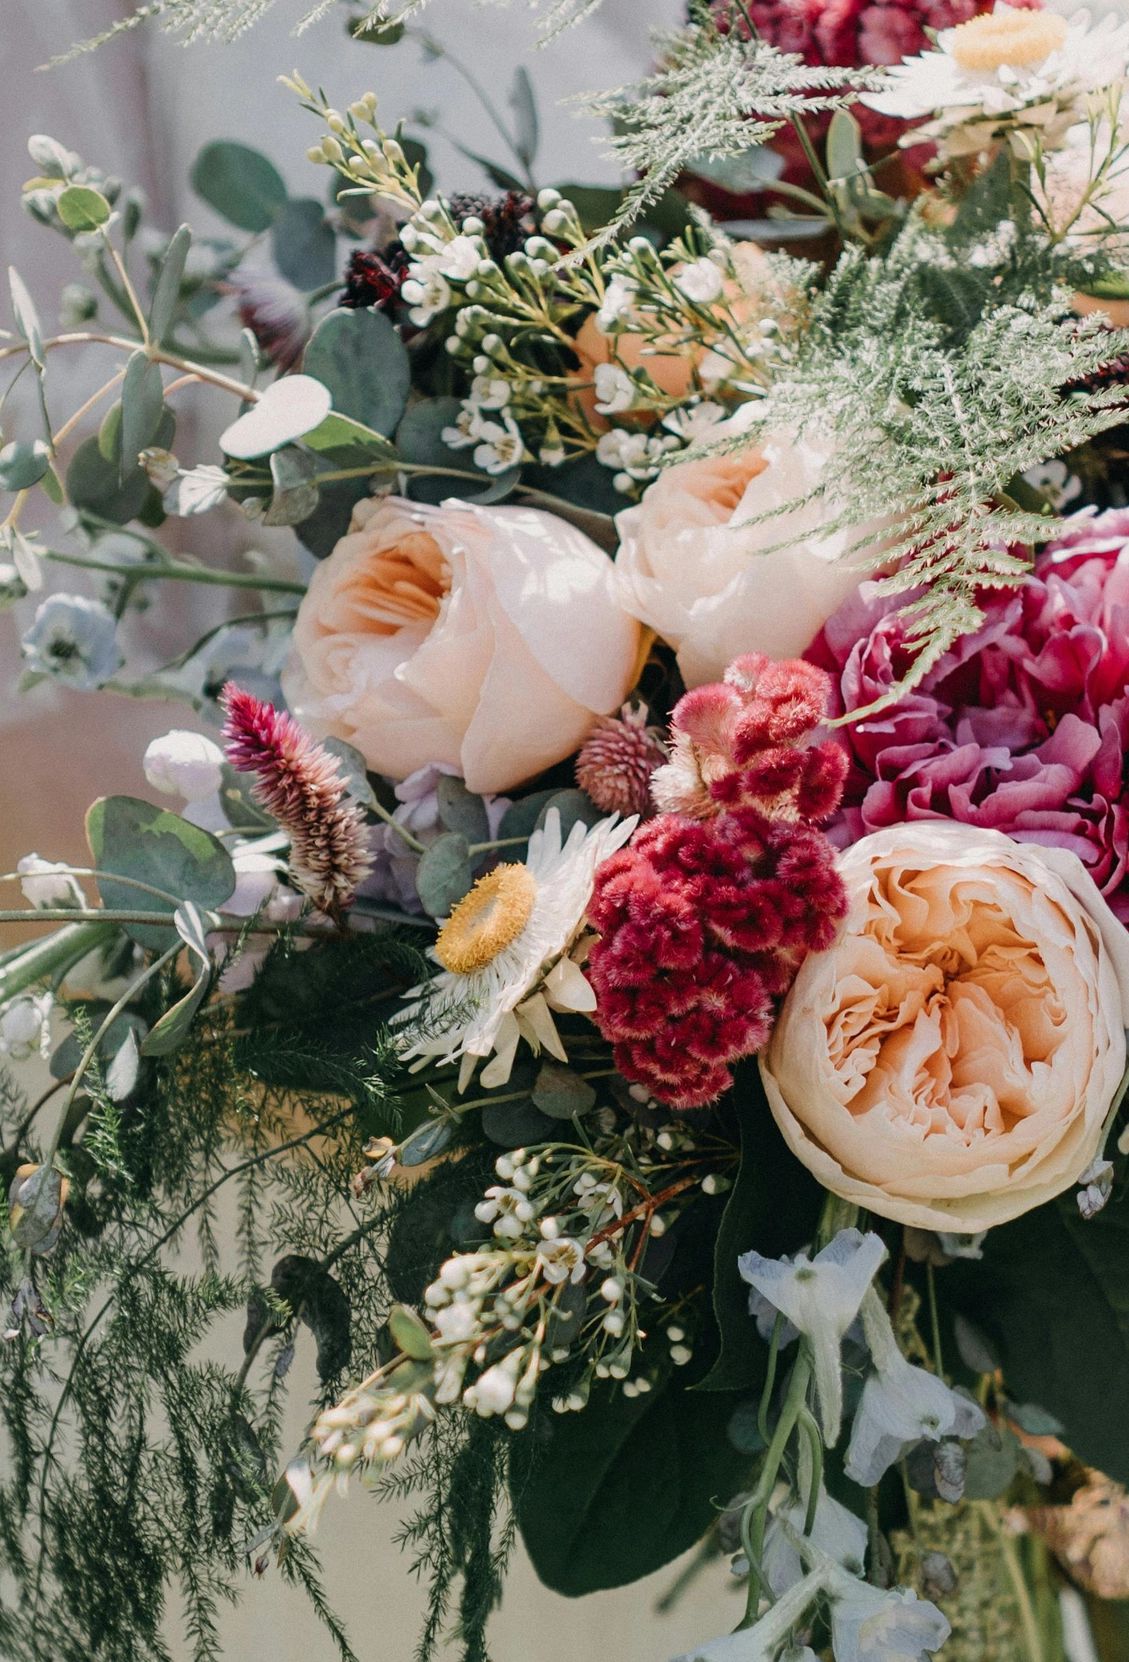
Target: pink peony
(1021, 728)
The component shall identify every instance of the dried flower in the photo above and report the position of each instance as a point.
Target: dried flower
(275, 313)
(301, 785)
(617, 761)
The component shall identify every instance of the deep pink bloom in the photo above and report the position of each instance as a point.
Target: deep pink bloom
(704, 919)
(1022, 727)
(300, 784)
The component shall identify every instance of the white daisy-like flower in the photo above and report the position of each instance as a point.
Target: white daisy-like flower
(1024, 75)
(505, 954)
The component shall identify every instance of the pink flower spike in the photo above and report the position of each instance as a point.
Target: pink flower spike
(300, 784)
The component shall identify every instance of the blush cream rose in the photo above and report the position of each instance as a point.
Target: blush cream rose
(952, 1061)
(715, 586)
(486, 640)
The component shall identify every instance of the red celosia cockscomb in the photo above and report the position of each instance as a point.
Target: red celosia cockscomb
(300, 784)
(705, 918)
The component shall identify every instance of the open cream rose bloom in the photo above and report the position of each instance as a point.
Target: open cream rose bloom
(714, 586)
(952, 1062)
(481, 639)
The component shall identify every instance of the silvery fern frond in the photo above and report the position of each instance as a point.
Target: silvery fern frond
(715, 94)
(932, 385)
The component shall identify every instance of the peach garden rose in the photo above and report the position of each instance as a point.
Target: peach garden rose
(952, 1061)
(694, 567)
(487, 640)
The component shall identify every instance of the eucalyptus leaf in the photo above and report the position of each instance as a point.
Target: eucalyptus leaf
(425, 1142)
(23, 464)
(27, 318)
(132, 838)
(320, 1302)
(124, 1069)
(561, 1093)
(354, 770)
(241, 184)
(35, 1205)
(295, 496)
(82, 209)
(516, 1124)
(844, 145)
(444, 874)
(461, 810)
(303, 244)
(166, 293)
(524, 106)
(288, 408)
(142, 407)
(575, 807)
(361, 359)
(170, 1032)
(410, 1333)
(419, 440)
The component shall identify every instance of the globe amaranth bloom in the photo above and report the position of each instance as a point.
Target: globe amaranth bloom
(1022, 727)
(705, 918)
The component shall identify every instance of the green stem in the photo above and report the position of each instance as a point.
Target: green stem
(755, 1515)
(43, 960)
(1009, 1549)
(174, 571)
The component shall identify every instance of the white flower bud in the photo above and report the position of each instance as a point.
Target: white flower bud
(184, 764)
(548, 198)
(48, 882)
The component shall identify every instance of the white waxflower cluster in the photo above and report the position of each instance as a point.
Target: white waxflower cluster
(557, 1281)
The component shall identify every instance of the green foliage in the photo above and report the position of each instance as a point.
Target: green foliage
(1051, 1295)
(361, 359)
(303, 244)
(138, 1449)
(241, 184)
(933, 377)
(611, 1494)
(773, 1206)
(715, 94)
(137, 840)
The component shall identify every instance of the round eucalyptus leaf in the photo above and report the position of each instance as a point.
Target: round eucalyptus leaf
(287, 409)
(241, 184)
(82, 209)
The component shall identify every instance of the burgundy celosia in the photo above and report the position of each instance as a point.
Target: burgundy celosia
(300, 784)
(616, 762)
(1022, 727)
(704, 919)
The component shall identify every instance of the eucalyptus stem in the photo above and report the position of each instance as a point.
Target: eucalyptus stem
(175, 571)
(44, 960)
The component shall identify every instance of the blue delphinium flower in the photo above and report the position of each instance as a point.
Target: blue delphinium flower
(868, 1625)
(73, 639)
(821, 1297)
(900, 1405)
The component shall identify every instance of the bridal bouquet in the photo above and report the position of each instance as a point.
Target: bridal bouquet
(632, 939)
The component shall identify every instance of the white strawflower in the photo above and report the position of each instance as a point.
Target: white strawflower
(48, 882)
(184, 764)
(25, 1027)
(504, 954)
(1027, 76)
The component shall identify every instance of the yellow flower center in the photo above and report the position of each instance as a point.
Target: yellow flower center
(487, 920)
(1018, 39)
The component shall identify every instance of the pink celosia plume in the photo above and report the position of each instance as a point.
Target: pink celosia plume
(300, 785)
(705, 918)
